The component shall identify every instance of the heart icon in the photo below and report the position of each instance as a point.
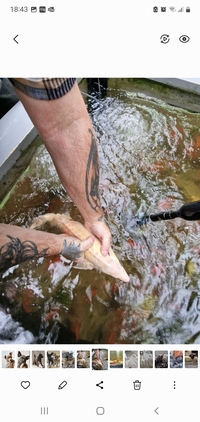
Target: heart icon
(25, 384)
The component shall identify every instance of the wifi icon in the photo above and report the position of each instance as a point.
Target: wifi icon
(172, 8)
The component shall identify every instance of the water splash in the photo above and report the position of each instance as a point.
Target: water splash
(149, 162)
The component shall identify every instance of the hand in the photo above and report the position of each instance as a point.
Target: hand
(73, 249)
(102, 231)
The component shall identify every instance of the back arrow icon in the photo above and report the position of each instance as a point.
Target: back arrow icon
(156, 410)
(15, 39)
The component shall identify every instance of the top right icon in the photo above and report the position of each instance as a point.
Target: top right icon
(172, 9)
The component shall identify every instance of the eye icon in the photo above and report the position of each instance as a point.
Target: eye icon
(184, 38)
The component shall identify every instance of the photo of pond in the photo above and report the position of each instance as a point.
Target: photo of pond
(149, 153)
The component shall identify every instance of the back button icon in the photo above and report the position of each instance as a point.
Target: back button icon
(14, 39)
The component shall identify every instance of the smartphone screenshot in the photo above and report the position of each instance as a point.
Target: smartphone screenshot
(99, 210)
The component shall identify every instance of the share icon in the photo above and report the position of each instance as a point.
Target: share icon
(99, 384)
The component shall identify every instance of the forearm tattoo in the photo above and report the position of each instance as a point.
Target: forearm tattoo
(92, 176)
(14, 252)
(101, 218)
(71, 251)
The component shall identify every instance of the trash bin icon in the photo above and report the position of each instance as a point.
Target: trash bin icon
(137, 385)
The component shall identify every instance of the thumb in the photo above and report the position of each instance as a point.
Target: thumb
(87, 243)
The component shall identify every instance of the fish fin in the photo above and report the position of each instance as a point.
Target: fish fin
(41, 220)
(66, 214)
(85, 265)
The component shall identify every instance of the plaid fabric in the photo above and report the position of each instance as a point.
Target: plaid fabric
(44, 88)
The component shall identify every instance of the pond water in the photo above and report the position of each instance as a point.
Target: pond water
(149, 162)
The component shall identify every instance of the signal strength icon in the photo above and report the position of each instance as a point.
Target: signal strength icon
(181, 9)
(172, 8)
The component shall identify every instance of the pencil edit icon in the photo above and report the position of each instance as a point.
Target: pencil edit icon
(62, 385)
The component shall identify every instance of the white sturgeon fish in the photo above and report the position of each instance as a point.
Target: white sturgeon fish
(93, 257)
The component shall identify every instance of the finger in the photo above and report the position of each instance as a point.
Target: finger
(87, 243)
(106, 245)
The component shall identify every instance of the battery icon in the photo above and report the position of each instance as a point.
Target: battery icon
(51, 9)
(42, 9)
(187, 9)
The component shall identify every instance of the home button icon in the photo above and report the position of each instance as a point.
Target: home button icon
(100, 410)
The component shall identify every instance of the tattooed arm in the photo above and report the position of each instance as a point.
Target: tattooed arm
(67, 132)
(18, 244)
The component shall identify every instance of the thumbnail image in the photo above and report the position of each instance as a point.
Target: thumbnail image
(191, 359)
(131, 359)
(23, 359)
(176, 359)
(8, 359)
(146, 359)
(38, 359)
(53, 359)
(161, 359)
(68, 359)
(83, 359)
(116, 359)
(99, 359)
